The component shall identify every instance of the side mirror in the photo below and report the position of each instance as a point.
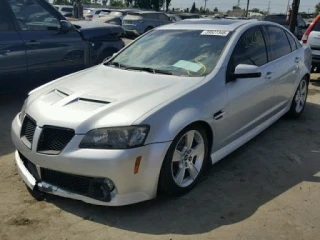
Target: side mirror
(246, 71)
(65, 26)
(107, 58)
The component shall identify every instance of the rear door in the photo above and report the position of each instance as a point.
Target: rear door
(50, 54)
(286, 60)
(13, 63)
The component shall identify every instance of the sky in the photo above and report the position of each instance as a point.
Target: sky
(276, 6)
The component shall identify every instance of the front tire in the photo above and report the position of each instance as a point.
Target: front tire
(184, 162)
(299, 100)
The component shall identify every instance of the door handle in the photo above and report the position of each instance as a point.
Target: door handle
(269, 75)
(297, 59)
(32, 43)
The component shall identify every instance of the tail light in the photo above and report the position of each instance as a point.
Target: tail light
(89, 16)
(309, 30)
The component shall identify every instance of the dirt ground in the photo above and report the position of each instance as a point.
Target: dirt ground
(268, 189)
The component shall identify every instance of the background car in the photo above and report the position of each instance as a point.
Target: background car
(43, 46)
(184, 16)
(282, 20)
(174, 18)
(138, 23)
(312, 38)
(64, 8)
(156, 115)
(114, 17)
(91, 13)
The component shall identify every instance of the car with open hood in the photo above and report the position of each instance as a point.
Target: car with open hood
(158, 113)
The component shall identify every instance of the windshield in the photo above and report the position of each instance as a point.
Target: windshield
(178, 52)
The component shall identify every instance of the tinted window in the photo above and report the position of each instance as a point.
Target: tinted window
(250, 49)
(31, 15)
(5, 20)
(300, 22)
(163, 17)
(66, 9)
(292, 42)
(280, 19)
(316, 26)
(278, 41)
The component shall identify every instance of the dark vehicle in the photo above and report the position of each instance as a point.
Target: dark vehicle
(37, 44)
(282, 20)
(184, 16)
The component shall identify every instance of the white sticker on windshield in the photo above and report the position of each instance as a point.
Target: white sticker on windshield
(190, 66)
(215, 32)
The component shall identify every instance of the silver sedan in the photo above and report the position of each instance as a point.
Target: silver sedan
(155, 115)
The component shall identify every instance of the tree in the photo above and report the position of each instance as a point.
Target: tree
(255, 10)
(168, 3)
(172, 9)
(317, 7)
(129, 3)
(236, 8)
(104, 2)
(193, 8)
(215, 9)
(116, 3)
(186, 10)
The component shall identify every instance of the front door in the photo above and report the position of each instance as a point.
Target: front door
(248, 97)
(50, 54)
(13, 63)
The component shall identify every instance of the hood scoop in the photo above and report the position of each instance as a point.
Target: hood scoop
(87, 103)
(56, 95)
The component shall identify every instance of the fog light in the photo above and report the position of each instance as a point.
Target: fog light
(109, 184)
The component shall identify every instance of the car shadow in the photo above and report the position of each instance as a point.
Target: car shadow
(10, 105)
(281, 157)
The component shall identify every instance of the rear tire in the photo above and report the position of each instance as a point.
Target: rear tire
(184, 162)
(299, 100)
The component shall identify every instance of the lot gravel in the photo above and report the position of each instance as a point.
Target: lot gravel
(268, 189)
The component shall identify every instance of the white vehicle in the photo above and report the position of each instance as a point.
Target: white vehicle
(91, 13)
(312, 38)
(153, 116)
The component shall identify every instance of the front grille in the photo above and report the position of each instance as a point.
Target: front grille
(53, 139)
(30, 167)
(70, 182)
(27, 130)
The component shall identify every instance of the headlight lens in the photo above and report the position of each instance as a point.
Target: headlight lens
(23, 110)
(115, 138)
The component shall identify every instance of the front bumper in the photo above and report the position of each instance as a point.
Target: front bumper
(117, 165)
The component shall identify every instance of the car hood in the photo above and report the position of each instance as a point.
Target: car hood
(103, 97)
(91, 30)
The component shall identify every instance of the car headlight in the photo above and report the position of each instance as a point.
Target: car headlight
(23, 110)
(115, 137)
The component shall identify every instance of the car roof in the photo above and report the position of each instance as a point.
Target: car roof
(208, 24)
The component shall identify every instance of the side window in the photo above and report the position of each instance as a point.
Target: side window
(31, 15)
(5, 20)
(301, 22)
(163, 17)
(154, 16)
(250, 49)
(292, 42)
(279, 44)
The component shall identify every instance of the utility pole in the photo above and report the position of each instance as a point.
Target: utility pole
(294, 15)
(269, 7)
(247, 12)
(205, 5)
(238, 3)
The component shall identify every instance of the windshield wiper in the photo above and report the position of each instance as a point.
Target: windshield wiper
(117, 64)
(148, 69)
